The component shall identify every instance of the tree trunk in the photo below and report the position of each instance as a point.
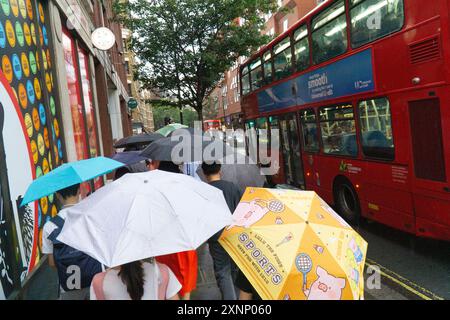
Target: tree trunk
(200, 113)
(181, 115)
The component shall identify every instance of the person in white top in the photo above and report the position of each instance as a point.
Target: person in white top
(139, 280)
(67, 197)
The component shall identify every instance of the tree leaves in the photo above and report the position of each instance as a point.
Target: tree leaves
(186, 45)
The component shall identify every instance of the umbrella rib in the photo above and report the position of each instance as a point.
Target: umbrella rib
(173, 210)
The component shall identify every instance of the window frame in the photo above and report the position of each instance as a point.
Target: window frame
(313, 30)
(250, 70)
(350, 29)
(360, 133)
(355, 115)
(294, 42)
(316, 122)
(265, 80)
(242, 75)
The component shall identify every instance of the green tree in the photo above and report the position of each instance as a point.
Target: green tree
(160, 111)
(184, 46)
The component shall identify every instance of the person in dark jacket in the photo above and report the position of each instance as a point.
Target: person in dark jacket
(224, 267)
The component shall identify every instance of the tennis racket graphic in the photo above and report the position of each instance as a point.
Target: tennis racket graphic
(275, 206)
(304, 265)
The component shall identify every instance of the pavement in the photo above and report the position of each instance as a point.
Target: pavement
(207, 288)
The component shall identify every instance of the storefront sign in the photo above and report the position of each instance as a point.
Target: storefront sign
(132, 103)
(103, 39)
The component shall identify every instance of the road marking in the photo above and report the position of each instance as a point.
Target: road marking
(410, 286)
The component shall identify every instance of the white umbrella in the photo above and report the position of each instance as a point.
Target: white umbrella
(145, 215)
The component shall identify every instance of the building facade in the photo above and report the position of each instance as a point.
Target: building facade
(227, 93)
(142, 116)
(61, 100)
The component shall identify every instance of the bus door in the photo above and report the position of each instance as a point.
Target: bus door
(290, 146)
(251, 140)
(430, 174)
(276, 154)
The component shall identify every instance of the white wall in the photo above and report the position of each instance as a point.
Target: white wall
(115, 114)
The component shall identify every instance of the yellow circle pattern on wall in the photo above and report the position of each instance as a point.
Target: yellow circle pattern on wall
(10, 33)
(14, 7)
(7, 68)
(29, 125)
(23, 98)
(23, 9)
(26, 62)
(34, 151)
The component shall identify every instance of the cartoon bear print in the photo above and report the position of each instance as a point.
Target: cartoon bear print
(326, 287)
(247, 214)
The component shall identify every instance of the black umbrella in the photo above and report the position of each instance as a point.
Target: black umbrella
(187, 148)
(138, 141)
(129, 158)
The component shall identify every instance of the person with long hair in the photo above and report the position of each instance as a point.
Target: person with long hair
(139, 280)
(183, 264)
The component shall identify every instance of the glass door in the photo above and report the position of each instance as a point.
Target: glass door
(290, 146)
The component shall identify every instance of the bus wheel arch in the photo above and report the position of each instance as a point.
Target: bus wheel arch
(346, 200)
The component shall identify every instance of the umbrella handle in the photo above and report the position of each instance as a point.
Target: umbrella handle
(304, 281)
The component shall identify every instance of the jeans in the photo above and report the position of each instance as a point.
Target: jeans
(224, 270)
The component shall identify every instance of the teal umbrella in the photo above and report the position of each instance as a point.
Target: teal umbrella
(67, 175)
(167, 130)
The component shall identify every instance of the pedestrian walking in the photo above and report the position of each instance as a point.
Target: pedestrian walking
(63, 257)
(183, 264)
(246, 290)
(139, 280)
(224, 267)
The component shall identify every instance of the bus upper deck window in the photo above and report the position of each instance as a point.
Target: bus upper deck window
(374, 19)
(301, 48)
(245, 78)
(329, 36)
(256, 74)
(376, 129)
(268, 73)
(282, 58)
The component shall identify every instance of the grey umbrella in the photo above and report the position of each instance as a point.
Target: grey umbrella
(187, 148)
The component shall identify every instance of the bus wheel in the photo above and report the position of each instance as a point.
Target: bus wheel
(347, 202)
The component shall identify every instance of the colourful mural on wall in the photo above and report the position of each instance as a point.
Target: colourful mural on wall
(26, 63)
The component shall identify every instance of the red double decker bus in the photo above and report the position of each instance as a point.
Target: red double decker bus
(212, 125)
(360, 91)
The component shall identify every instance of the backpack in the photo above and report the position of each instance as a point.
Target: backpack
(97, 283)
(66, 256)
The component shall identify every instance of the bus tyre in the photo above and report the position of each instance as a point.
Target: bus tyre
(347, 202)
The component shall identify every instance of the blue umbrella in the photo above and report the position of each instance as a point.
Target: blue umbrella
(67, 175)
(129, 157)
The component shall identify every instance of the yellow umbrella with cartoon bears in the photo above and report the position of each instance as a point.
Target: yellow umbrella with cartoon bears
(292, 246)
